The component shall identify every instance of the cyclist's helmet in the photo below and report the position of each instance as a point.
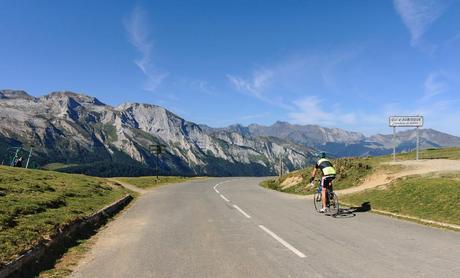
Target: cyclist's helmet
(323, 155)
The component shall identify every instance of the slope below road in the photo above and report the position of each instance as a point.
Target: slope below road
(238, 229)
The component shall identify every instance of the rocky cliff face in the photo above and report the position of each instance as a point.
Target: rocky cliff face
(74, 128)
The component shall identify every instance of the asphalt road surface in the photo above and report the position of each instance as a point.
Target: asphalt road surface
(238, 229)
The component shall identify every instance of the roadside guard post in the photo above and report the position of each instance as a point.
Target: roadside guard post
(406, 121)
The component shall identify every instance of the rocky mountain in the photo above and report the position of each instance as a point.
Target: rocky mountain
(98, 139)
(339, 142)
(72, 128)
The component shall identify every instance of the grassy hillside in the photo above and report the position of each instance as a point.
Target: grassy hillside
(150, 182)
(352, 171)
(434, 197)
(34, 202)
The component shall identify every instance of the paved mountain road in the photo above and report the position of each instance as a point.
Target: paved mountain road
(189, 230)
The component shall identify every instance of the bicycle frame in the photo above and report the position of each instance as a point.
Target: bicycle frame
(330, 196)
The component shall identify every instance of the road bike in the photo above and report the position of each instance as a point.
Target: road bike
(332, 201)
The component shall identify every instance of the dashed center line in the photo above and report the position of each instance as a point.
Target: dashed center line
(272, 234)
(242, 211)
(223, 197)
(283, 242)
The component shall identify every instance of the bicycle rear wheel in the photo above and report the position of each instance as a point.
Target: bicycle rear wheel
(317, 201)
(333, 204)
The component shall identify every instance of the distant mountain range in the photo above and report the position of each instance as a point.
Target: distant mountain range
(338, 142)
(99, 139)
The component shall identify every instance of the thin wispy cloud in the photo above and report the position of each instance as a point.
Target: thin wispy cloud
(434, 86)
(136, 26)
(204, 87)
(256, 86)
(254, 116)
(293, 83)
(419, 15)
(310, 111)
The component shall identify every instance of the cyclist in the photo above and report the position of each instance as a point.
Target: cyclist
(328, 172)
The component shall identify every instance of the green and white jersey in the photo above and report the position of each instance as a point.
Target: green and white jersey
(326, 167)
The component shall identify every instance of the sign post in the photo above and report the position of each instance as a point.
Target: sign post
(418, 142)
(157, 149)
(406, 121)
(394, 143)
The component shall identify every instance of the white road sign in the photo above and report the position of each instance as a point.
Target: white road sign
(406, 121)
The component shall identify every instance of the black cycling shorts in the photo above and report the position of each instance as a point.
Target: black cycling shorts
(326, 181)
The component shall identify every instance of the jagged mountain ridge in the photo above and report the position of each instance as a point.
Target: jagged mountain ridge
(339, 142)
(74, 128)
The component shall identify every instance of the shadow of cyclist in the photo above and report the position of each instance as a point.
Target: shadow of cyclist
(351, 211)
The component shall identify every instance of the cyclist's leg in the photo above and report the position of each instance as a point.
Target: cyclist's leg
(323, 191)
(331, 188)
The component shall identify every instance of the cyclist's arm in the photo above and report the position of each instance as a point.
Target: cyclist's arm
(313, 173)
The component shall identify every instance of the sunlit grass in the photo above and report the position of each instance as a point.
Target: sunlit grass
(34, 202)
(352, 171)
(434, 197)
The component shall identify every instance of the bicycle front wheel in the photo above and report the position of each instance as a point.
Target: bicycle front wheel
(317, 201)
(333, 204)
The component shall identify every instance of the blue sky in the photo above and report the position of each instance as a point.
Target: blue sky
(347, 64)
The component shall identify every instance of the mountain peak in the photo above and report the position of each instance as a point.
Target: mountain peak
(14, 94)
(136, 105)
(283, 123)
(81, 98)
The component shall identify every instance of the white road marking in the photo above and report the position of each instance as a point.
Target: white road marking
(215, 189)
(275, 236)
(215, 186)
(242, 211)
(282, 241)
(223, 197)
